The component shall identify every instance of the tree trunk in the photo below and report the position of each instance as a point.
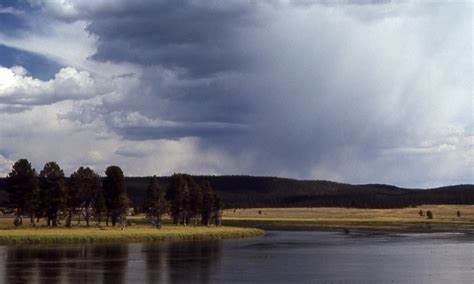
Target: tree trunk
(87, 217)
(158, 222)
(123, 222)
(18, 216)
(218, 218)
(55, 221)
(79, 218)
(69, 219)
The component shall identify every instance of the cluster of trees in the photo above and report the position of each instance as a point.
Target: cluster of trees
(186, 201)
(86, 195)
(48, 195)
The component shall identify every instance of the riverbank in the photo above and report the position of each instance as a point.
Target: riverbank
(45, 235)
(445, 219)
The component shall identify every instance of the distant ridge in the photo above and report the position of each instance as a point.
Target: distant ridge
(253, 191)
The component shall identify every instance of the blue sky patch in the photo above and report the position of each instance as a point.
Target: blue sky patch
(39, 66)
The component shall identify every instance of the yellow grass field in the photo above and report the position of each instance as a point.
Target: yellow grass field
(45, 235)
(405, 219)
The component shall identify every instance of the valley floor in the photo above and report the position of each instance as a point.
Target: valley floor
(445, 219)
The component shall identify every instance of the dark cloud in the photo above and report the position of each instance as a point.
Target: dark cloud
(174, 133)
(195, 37)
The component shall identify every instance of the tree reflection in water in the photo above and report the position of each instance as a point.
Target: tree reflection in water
(181, 262)
(83, 264)
(169, 262)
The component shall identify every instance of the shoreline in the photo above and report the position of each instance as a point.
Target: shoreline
(362, 226)
(93, 235)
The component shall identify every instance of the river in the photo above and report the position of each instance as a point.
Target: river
(279, 257)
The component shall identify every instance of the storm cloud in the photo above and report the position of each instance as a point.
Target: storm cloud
(379, 92)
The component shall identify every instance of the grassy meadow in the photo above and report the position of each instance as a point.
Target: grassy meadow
(239, 223)
(445, 218)
(46, 235)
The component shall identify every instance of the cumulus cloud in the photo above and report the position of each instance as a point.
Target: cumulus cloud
(17, 88)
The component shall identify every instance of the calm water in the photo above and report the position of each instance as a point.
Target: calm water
(279, 257)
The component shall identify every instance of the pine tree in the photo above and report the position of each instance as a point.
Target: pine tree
(217, 210)
(85, 184)
(115, 194)
(175, 195)
(207, 203)
(52, 192)
(23, 189)
(99, 206)
(155, 204)
(195, 202)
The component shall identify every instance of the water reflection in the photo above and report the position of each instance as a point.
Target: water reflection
(86, 264)
(181, 262)
(279, 257)
(174, 262)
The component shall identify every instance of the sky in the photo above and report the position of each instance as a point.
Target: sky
(350, 91)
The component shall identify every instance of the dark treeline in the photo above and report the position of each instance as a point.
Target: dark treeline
(250, 191)
(88, 196)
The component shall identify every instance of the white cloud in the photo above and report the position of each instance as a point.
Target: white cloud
(40, 136)
(17, 88)
(5, 166)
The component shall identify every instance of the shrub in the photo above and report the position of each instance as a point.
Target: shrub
(429, 214)
(17, 222)
(458, 213)
(421, 212)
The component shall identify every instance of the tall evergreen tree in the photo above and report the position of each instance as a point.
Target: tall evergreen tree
(217, 209)
(52, 192)
(175, 195)
(71, 202)
(155, 204)
(99, 207)
(85, 185)
(186, 201)
(207, 203)
(195, 199)
(23, 189)
(115, 194)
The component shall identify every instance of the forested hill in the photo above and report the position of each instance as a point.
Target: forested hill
(250, 191)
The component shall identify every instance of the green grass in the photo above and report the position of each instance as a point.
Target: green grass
(45, 235)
